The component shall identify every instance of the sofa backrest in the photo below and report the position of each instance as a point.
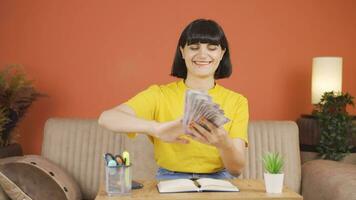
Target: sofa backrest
(78, 146)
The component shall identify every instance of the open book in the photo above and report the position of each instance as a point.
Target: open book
(199, 185)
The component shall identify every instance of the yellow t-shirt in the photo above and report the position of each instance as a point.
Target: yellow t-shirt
(166, 103)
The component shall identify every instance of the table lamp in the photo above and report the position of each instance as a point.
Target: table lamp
(326, 76)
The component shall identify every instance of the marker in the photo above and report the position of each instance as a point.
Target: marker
(112, 163)
(108, 157)
(119, 160)
(126, 157)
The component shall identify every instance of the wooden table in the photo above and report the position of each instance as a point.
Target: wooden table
(249, 189)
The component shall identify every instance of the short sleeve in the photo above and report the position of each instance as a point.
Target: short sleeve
(145, 104)
(240, 120)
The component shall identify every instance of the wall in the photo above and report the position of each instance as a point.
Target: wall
(92, 55)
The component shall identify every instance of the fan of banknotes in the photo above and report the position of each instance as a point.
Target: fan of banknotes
(199, 104)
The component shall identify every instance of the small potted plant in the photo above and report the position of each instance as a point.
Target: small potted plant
(273, 175)
(16, 95)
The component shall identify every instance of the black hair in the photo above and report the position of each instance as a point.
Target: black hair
(202, 31)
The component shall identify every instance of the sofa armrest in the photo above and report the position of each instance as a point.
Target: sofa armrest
(325, 179)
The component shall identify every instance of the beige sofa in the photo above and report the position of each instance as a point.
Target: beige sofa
(78, 146)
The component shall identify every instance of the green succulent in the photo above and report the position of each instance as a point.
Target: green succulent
(273, 163)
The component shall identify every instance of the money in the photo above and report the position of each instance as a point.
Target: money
(199, 104)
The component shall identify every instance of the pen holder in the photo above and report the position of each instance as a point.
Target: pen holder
(118, 180)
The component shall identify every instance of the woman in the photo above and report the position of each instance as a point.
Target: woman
(202, 56)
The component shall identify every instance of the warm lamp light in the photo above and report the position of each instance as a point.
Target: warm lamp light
(326, 76)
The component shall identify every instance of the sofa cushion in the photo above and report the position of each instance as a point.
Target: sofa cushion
(325, 179)
(3, 195)
(36, 178)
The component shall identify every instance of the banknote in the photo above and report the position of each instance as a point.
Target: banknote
(199, 104)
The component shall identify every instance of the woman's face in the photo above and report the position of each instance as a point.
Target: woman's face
(202, 59)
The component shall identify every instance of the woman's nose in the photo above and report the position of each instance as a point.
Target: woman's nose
(203, 52)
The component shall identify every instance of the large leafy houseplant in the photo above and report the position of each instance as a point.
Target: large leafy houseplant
(335, 125)
(17, 93)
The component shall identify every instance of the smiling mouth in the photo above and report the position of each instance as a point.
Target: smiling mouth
(202, 63)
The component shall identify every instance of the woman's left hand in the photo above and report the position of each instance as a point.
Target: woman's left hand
(216, 136)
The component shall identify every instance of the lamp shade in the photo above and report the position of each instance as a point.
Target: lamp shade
(326, 76)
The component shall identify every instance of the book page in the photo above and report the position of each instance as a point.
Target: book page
(177, 185)
(209, 184)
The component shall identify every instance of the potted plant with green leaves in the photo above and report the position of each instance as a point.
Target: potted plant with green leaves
(335, 125)
(17, 94)
(273, 176)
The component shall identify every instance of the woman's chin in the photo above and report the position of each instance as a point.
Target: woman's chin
(203, 75)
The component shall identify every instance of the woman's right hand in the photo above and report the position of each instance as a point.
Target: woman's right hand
(170, 131)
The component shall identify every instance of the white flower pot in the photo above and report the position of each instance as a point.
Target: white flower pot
(274, 182)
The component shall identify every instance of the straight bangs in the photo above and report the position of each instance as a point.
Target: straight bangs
(204, 32)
